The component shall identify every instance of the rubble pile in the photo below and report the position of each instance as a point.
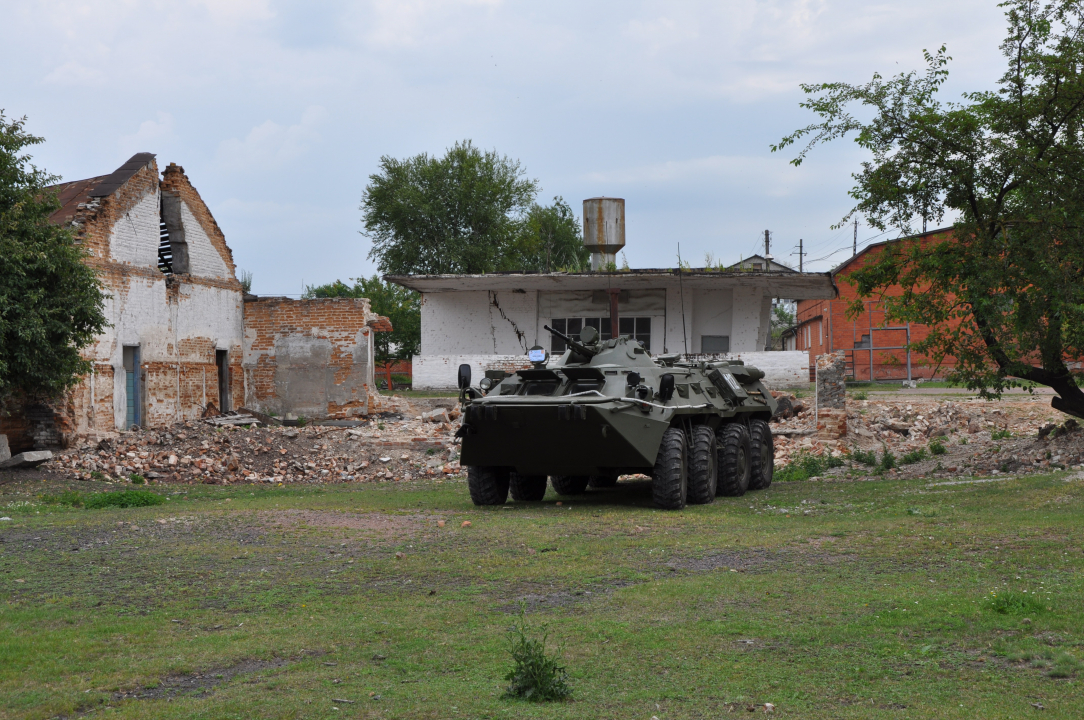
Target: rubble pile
(979, 437)
(390, 447)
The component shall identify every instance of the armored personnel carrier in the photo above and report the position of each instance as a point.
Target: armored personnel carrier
(608, 408)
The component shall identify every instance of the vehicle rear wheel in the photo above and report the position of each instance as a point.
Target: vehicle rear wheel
(670, 483)
(762, 455)
(569, 484)
(703, 468)
(488, 485)
(603, 481)
(527, 488)
(734, 462)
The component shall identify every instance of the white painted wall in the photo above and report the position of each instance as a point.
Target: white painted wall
(128, 239)
(745, 322)
(203, 259)
(712, 315)
(441, 372)
(468, 323)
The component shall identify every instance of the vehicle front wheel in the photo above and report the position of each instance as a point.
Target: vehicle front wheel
(488, 485)
(762, 455)
(734, 462)
(703, 467)
(527, 488)
(670, 484)
(569, 484)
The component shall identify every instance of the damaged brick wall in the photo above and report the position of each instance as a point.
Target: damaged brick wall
(310, 358)
(178, 321)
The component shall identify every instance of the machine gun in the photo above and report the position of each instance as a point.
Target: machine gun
(580, 348)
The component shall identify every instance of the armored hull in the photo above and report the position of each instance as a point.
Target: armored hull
(605, 409)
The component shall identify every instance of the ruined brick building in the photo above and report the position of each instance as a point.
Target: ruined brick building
(177, 339)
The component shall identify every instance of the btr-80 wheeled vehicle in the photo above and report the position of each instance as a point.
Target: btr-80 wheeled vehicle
(608, 408)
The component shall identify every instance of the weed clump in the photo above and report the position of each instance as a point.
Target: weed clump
(136, 479)
(96, 501)
(913, 457)
(1011, 602)
(937, 447)
(805, 465)
(866, 457)
(535, 675)
(888, 461)
(1000, 435)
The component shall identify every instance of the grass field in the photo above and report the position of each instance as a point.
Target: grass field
(878, 599)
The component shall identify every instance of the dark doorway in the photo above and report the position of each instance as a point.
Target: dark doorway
(222, 362)
(132, 389)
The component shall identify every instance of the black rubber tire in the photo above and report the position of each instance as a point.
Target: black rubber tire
(670, 481)
(569, 484)
(603, 481)
(762, 455)
(527, 488)
(734, 465)
(488, 485)
(703, 466)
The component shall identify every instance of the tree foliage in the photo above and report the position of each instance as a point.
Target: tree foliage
(548, 239)
(51, 303)
(398, 304)
(455, 214)
(1003, 293)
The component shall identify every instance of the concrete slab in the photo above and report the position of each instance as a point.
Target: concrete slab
(27, 460)
(5, 451)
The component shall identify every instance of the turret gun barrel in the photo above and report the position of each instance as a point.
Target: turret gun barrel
(578, 347)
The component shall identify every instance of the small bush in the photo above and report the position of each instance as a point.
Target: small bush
(136, 479)
(913, 457)
(936, 447)
(963, 441)
(1000, 435)
(302, 421)
(122, 499)
(860, 395)
(888, 461)
(865, 457)
(535, 676)
(1011, 602)
(97, 475)
(805, 465)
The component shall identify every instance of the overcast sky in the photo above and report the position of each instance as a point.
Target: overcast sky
(279, 111)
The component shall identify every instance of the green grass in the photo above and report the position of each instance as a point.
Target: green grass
(97, 501)
(865, 599)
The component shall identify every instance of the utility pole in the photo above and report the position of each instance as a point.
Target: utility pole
(855, 251)
(801, 255)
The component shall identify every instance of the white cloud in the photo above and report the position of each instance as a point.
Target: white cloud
(270, 145)
(76, 73)
(151, 136)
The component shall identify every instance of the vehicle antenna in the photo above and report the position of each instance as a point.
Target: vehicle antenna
(681, 289)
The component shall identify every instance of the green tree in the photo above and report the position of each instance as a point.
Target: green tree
(548, 239)
(397, 303)
(51, 304)
(1004, 294)
(782, 318)
(455, 214)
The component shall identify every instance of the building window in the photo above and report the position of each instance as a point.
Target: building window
(638, 328)
(714, 344)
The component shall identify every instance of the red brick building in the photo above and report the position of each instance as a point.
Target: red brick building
(874, 348)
